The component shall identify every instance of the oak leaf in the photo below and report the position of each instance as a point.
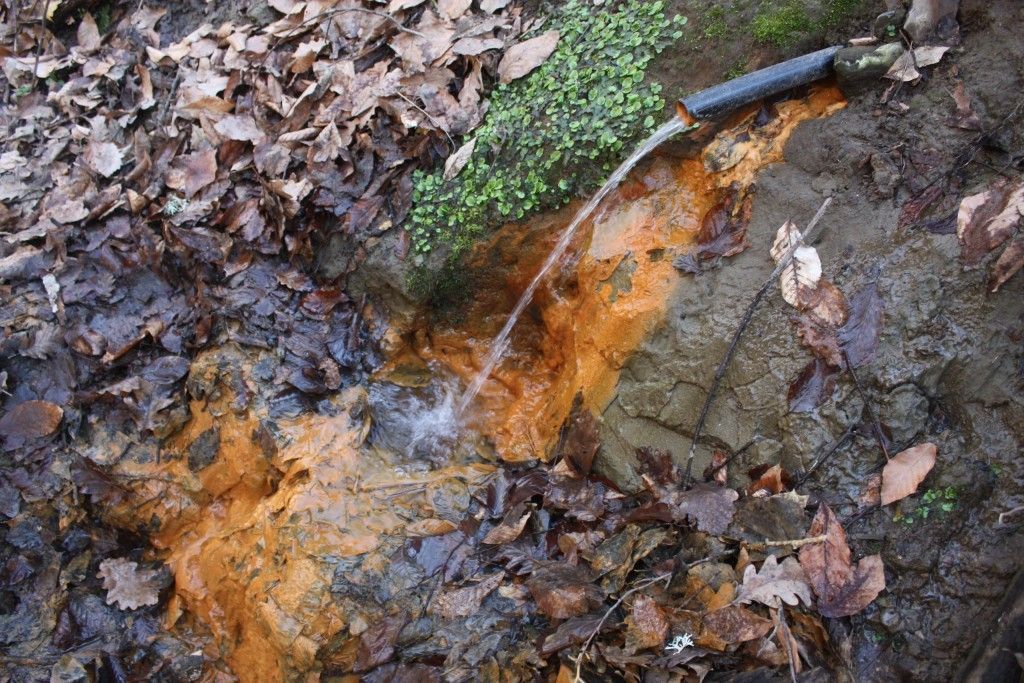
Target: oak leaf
(842, 588)
(127, 585)
(786, 582)
(906, 470)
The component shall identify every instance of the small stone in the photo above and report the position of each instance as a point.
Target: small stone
(927, 17)
(203, 451)
(887, 24)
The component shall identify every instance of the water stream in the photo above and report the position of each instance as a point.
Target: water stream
(500, 343)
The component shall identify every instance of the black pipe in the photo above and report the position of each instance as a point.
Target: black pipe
(725, 97)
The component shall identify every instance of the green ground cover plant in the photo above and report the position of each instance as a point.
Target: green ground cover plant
(550, 135)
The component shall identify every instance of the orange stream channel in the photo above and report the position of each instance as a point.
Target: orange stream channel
(585, 323)
(253, 538)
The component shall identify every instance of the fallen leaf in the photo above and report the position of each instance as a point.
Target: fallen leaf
(905, 68)
(377, 643)
(453, 9)
(812, 387)
(465, 601)
(31, 420)
(986, 219)
(103, 157)
(710, 507)
(562, 591)
(507, 531)
(859, 336)
(573, 632)
(736, 624)
(1009, 262)
(786, 582)
(127, 585)
(430, 527)
(842, 589)
(524, 57)
(88, 34)
(646, 626)
(579, 443)
(767, 480)
(456, 162)
(799, 279)
(906, 470)
(239, 127)
(964, 116)
(192, 172)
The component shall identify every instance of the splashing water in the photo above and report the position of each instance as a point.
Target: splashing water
(500, 343)
(416, 422)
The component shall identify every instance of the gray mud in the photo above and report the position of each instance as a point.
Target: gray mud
(948, 370)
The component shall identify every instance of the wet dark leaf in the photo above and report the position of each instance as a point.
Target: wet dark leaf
(736, 624)
(814, 386)
(562, 591)
(708, 506)
(580, 441)
(842, 588)
(572, 632)
(859, 336)
(646, 626)
(377, 643)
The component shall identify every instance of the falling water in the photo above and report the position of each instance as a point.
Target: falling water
(500, 343)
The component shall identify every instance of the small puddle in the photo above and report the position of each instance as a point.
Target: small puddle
(280, 530)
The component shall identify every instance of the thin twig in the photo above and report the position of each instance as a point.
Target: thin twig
(876, 426)
(39, 45)
(597, 629)
(724, 365)
(792, 543)
(743, 449)
(846, 436)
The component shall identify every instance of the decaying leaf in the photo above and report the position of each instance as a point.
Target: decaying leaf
(842, 588)
(905, 68)
(906, 470)
(563, 591)
(465, 601)
(507, 531)
(430, 527)
(786, 582)
(768, 480)
(192, 172)
(1009, 262)
(986, 219)
(812, 387)
(457, 161)
(710, 507)
(103, 157)
(31, 420)
(735, 624)
(799, 280)
(859, 336)
(524, 57)
(964, 116)
(127, 585)
(646, 626)
(579, 441)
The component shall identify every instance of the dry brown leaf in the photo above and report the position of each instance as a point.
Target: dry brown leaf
(127, 585)
(842, 589)
(456, 162)
(103, 157)
(964, 117)
(786, 582)
(239, 127)
(453, 9)
(465, 601)
(506, 532)
(192, 172)
(906, 470)
(1010, 261)
(474, 46)
(88, 34)
(524, 57)
(31, 420)
(646, 626)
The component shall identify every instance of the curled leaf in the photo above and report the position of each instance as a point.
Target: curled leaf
(906, 470)
(526, 56)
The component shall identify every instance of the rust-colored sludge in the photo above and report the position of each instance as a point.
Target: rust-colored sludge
(254, 520)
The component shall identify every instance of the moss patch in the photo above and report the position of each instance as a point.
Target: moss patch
(552, 134)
